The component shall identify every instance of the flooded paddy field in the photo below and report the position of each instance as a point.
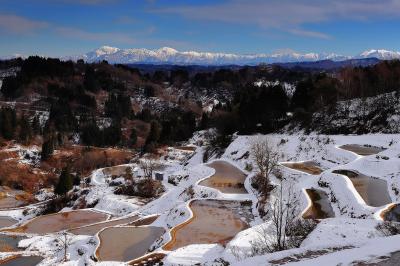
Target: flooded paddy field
(373, 190)
(227, 178)
(320, 205)
(60, 221)
(6, 221)
(213, 221)
(363, 150)
(392, 213)
(9, 243)
(22, 261)
(91, 230)
(126, 243)
(309, 167)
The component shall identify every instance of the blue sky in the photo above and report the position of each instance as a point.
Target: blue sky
(68, 27)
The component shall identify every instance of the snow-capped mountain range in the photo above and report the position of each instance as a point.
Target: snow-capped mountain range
(168, 55)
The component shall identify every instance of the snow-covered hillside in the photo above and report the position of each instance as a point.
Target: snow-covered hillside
(349, 236)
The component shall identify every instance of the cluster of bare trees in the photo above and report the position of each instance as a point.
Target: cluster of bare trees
(287, 230)
(148, 167)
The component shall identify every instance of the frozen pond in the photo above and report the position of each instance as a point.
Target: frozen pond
(227, 178)
(320, 205)
(373, 190)
(363, 150)
(310, 167)
(213, 221)
(126, 243)
(61, 221)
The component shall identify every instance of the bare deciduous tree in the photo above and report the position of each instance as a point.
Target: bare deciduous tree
(266, 158)
(65, 241)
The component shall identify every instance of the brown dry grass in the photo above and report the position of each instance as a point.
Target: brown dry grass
(24, 176)
(31, 178)
(84, 160)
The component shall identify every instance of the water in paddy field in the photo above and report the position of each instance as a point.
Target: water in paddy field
(320, 207)
(9, 243)
(91, 230)
(373, 190)
(6, 221)
(61, 221)
(363, 150)
(23, 261)
(310, 167)
(126, 243)
(213, 221)
(227, 178)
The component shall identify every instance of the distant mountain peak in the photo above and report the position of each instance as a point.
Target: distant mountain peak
(106, 50)
(167, 55)
(167, 50)
(380, 54)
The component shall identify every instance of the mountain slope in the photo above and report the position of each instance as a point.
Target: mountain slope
(168, 55)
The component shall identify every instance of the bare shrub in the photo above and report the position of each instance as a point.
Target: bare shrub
(146, 188)
(148, 166)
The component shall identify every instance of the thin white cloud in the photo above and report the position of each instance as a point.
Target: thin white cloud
(20, 25)
(308, 33)
(116, 37)
(287, 15)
